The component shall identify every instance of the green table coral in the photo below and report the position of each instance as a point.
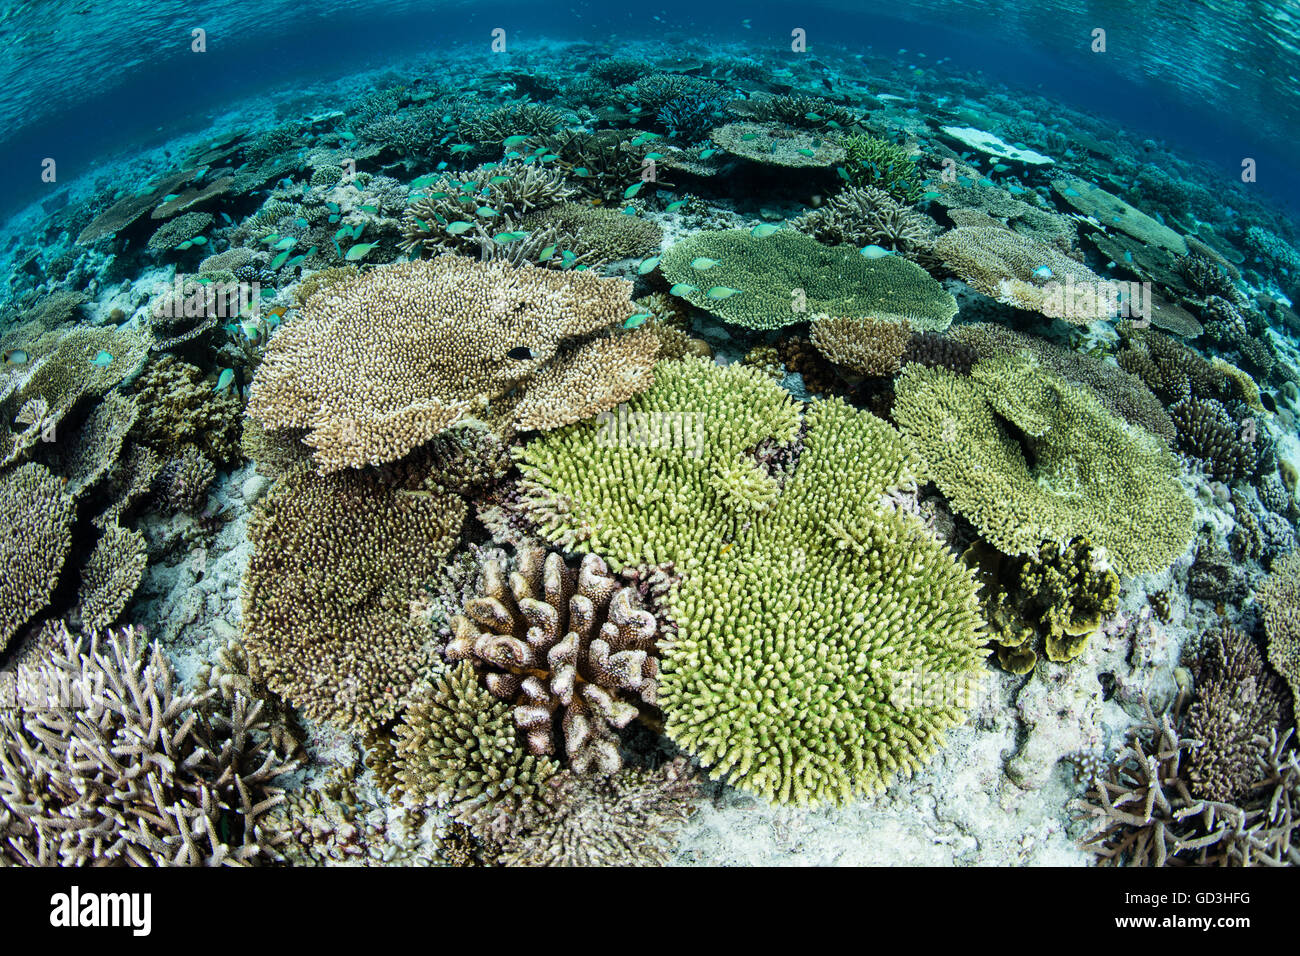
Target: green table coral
(1028, 458)
(787, 277)
(825, 641)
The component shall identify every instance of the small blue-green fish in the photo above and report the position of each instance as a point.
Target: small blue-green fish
(499, 179)
(1070, 192)
(674, 206)
(345, 231)
(184, 245)
(461, 148)
(722, 292)
(653, 156)
(638, 319)
(706, 153)
(514, 154)
(1000, 167)
(370, 209)
(629, 210)
(486, 211)
(843, 175)
(749, 137)
(632, 190)
(334, 217)
(548, 158)
(279, 260)
(1128, 256)
(815, 117)
(359, 251)
(703, 262)
(288, 242)
(170, 196)
(103, 359)
(546, 254)
(504, 238)
(427, 179)
(347, 135)
(514, 140)
(332, 206)
(268, 240)
(764, 229)
(648, 266)
(834, 124)
(1014, 189)
(874, 252)
(295, 261)
(1043, 272)
(441, 166)
(456, 228)
(931, 195)
(683, 288)
(520, 353)
(250, 330)
(581, 172)
(15, 357)
(225, 379)
(311, 252)
(199, 240)
(986, 182)
(302, 223)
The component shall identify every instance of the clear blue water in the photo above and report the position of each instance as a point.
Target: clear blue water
(87, 80)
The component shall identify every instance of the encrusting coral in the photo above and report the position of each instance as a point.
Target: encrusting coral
(794, 578)
(327, 595)
(569, 647)
(127, 769)
(378, 365)
(37, 519)
(1028, 458)
(776, 280)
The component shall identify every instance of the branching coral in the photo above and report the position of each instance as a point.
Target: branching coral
(597, 235)
(1209, 434)
(177, 408)
(1028, 458)
(517, 119)
(864, 215)
(326, 596)
(124, 769)
(570, 648)
(178, 230)
(1171, 369)
(777, 280)
(37, 519)
(1239, 703)
(810, 112)
(457, 748)
(810, 586)
(877, 162)
(86, 456)
(377, 366)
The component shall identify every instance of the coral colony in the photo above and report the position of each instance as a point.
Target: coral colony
(485, 459)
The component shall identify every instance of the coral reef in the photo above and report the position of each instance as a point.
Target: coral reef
(865, 346)
(112, 573)
(871, 161)
(1279, 602)
(37, 518)
(864, 215)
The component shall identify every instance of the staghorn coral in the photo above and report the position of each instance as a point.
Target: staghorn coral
(326, 596)
(1279, 603)
(1209, 435)
(447, 200)
(377, 366)
(689, 118)
(801, 583)
(1145, 814)
(865, 346)
(617, 70)
(456, 747)
(1004, 265)
(127, 770)
(628, 819)
(570, 648)
(110, 577)
(864, 215)
(809, 112)
(1239, 703)
(178, 408)
(1172, 370)
(771, 145)
(654, 91)
(1209, 279)
(37, 519)
(1028, 458)
(786, 277)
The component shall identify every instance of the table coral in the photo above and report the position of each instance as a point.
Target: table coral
(326, 595)
(378, 365)
(1028, 458)
(784, 278)
(111, 575)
